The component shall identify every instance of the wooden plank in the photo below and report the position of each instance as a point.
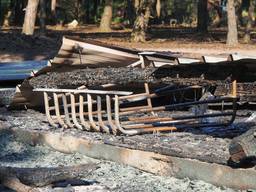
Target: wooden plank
(211, 59)
(89, 46)
(181, 60)
(237, 57)
(99, 92)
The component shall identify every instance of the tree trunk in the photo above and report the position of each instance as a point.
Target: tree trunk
(30, 17)
(53, 6)
(9, 14)
(42, 16)
(202, 16)
(53, 10)
(94, 11)
(243, 148)
(130, 12)
(18, 12)
(232, 37)
(141, 23)
(6, 22)
(218, 16)
(105, 24)
(158, 8)
(247, 36)
(136, 4)
(87, 11)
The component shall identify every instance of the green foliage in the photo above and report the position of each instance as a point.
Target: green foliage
(90, 11)
(184, 11)
(5, 5)
(71, 10)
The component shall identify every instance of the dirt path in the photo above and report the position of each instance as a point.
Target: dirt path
(17, 47)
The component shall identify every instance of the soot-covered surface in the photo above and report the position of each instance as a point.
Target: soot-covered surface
(208, 144)
(110, 176)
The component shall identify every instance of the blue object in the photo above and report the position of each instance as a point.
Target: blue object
(20, 70)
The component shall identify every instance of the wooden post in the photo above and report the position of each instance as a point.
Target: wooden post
(234, 88)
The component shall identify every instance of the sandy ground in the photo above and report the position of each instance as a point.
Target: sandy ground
(17, 47)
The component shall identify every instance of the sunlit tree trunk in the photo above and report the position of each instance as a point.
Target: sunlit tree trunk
(53, 6)
(105, 23)
(202, 16)
(218, 16)
(136, 4)
(158, 8)
(247, 36)
(53, 10)
(232, 37)
(141, 23)
(9, 14)
(30, 17)
(6, 22)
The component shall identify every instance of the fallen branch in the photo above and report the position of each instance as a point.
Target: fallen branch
(24, 179)
(243, 148)
(15, 184)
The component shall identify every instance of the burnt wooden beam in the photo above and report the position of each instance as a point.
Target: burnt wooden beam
(15, 184)
(243, 148)
(155, 163)
(245, 91)
(38, 177)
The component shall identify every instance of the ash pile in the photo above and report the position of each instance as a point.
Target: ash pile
(162, 103)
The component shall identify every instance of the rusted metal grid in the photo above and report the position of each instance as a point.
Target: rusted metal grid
(113, 111)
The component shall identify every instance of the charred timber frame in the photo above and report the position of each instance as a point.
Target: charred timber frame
(110, 120)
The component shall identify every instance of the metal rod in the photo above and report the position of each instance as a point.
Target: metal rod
(179, 105)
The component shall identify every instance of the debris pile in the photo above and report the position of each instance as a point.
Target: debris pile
(102, 100)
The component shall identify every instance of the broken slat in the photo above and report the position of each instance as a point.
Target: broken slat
(86, 91)
(211, 59)
(237, 57)
(187, 60)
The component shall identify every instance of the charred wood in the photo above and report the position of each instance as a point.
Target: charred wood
(243, 149)
(38, 177)
(245, 91)
(182, 74)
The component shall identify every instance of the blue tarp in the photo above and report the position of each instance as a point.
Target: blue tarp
(19, 70)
